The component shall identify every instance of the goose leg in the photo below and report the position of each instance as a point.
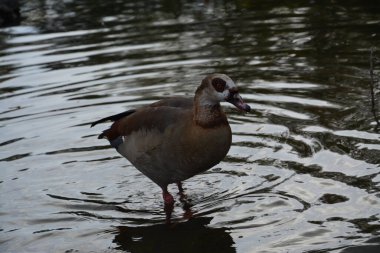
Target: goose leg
(168, 198)
(188, 214)
(180, 188)
(168, 203)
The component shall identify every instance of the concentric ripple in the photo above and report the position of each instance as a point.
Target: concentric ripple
(302, 174)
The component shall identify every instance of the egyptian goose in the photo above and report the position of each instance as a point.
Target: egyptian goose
(176, 138)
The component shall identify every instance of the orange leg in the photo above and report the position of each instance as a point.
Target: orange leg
(168, 198)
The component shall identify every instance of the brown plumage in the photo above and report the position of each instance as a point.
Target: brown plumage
(176, 138)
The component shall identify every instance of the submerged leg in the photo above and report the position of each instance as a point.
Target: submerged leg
(168, 198)
(168, 203)
(186, 205)
(180, 188)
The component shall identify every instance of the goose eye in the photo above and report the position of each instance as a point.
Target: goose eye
(219, 84)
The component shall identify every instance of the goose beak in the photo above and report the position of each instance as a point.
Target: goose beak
(237, 101)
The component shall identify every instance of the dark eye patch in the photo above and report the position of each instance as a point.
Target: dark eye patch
(219, 84)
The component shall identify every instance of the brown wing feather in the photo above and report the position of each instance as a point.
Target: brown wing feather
(144, 117)
(147, 118)
(113, 117)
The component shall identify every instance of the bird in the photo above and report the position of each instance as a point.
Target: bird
(176, 138)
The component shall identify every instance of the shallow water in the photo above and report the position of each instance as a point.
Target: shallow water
(302, 174)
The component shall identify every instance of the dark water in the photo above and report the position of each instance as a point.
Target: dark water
(302, 174)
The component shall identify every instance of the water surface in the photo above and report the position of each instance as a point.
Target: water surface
(302, 174)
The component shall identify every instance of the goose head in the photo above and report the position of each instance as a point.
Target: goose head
(217, 88)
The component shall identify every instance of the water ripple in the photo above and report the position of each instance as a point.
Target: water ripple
(303, 171)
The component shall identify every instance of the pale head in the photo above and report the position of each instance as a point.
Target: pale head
(216, 88)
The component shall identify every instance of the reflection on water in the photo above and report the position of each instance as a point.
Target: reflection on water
(302, 174)
(191, 236)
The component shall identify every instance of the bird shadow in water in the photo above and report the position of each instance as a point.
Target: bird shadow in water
(191, 236)
(194, 235)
